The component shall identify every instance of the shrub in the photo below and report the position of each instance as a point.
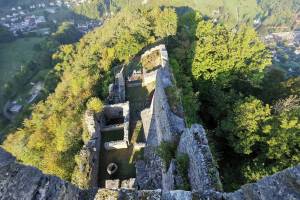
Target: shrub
(166, 151)
(95, 104)
(182, 167)
(173, 95)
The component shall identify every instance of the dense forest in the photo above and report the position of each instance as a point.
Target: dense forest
(37, 69)
(270, 15)
(250, 110)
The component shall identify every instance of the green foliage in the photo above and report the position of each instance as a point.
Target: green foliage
(80, 177)
(95, 104)
(166, 152)
(174, 100)
(182, 161)
(223, 56)
(66, 33)
(243, 123)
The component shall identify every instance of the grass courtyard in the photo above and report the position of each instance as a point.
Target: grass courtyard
(139, 98)
(124, 158)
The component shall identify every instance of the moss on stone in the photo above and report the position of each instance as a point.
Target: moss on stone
(166, 152)
(151, 61)
(182, 161)
(174, 99)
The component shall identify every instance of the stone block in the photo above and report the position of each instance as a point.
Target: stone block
(112, 184)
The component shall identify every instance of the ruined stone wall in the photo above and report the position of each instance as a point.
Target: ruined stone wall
(86, 172)
(18, 181)
(159, 122)
(202, 172)
(117, 111)
(288, 36)
(284, 185)
(121, 85)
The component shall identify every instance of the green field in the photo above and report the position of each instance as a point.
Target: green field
(15, 54)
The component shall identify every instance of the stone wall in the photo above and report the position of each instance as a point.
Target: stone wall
(284, 185)
(18, 181)
(149, 77)
(159, 122)
(115, 145)
(117, 89)
(164, 63)
(203, 175)
(86, 172)
(169, 177)
(120, 110)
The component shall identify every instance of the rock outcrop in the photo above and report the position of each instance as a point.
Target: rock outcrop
(18, 181)
(284, 185)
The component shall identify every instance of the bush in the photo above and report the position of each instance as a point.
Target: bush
(95, 104)
(166, 151)
(173, 95)
(183, 167)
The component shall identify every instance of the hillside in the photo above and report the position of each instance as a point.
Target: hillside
(265, 15)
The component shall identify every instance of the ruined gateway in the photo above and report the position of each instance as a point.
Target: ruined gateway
(161, 123)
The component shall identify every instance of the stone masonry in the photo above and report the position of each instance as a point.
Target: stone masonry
(89, 154)
(118, 110)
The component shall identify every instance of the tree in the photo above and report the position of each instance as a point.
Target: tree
(243, 124)
(223, 56)
(66, 33)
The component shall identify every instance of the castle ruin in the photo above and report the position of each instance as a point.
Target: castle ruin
(114, 135)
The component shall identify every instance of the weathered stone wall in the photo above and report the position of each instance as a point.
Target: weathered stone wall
(149, 170)
(121, 144)
(18, 181)
(288, 36)
(121, 85)
(86, 172)
(202, 173)
(118, 111)
(159, 122)
(117, 89)
(149, 77)
(169, 177)
(284, 185)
